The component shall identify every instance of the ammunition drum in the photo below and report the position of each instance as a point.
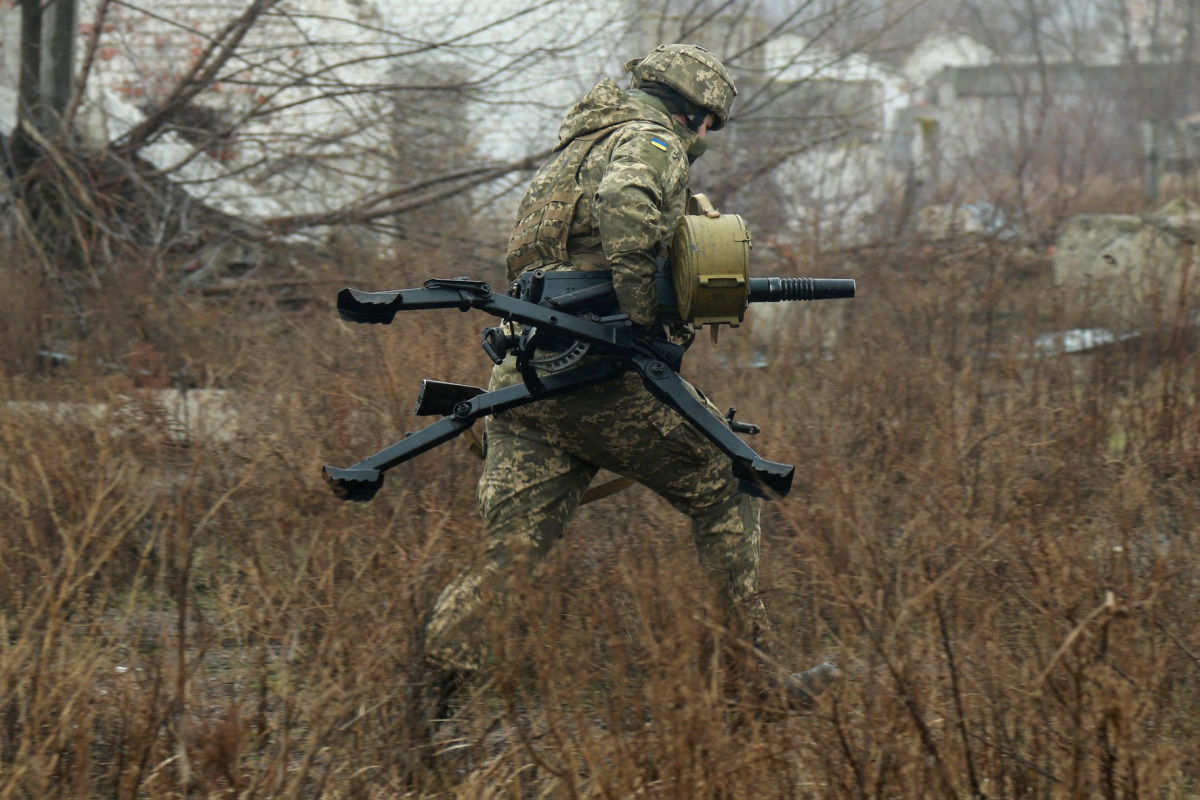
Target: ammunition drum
(710, 264)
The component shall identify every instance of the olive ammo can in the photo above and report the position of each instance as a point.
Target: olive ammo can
(710, 264)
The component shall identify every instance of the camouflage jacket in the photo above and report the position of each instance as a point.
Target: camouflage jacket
(610, 198)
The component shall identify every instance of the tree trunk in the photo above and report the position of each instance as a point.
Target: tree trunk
(47, 72)
(58, 62)
(24, 151)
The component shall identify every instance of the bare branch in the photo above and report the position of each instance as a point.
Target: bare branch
(375, 209)
(207, 65)
(85, 68)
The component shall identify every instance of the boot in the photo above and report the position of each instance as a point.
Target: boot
(444, 686)
(803, 688)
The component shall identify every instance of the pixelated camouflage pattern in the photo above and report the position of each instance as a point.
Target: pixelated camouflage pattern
(692, 71)
(611, 198)
(619, 207)
(540, 460)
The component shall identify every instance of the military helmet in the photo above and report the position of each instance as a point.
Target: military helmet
(693, 72)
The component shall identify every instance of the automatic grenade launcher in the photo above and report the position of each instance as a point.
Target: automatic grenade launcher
(561, 316)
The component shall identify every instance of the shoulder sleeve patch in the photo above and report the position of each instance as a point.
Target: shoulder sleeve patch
(656, 155)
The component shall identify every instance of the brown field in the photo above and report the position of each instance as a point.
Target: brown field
(999, 549)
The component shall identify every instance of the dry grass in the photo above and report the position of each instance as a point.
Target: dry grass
(999, 549)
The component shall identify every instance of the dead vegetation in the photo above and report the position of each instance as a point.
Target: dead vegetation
(998, 548)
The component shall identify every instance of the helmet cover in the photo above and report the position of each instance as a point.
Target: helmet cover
(693, 72)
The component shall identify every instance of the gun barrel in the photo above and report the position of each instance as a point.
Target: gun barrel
(776, 290)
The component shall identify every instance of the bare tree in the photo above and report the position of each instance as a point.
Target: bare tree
(283, 117)
(46, 75)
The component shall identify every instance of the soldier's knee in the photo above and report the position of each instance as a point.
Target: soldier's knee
(738, 511)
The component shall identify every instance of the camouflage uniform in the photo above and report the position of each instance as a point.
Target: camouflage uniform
(611, 198)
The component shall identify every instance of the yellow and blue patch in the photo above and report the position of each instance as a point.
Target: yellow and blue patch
(659, 143)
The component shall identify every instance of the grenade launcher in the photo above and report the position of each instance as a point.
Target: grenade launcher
(552, 319)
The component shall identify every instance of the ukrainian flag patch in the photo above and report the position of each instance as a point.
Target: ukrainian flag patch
(660, 144)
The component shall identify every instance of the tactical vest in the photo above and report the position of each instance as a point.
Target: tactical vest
(539, 238)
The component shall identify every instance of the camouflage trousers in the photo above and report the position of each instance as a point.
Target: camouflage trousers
(540, 460)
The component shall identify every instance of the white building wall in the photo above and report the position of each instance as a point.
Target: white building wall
(333, 143)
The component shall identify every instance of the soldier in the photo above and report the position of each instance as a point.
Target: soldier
(611, 198)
